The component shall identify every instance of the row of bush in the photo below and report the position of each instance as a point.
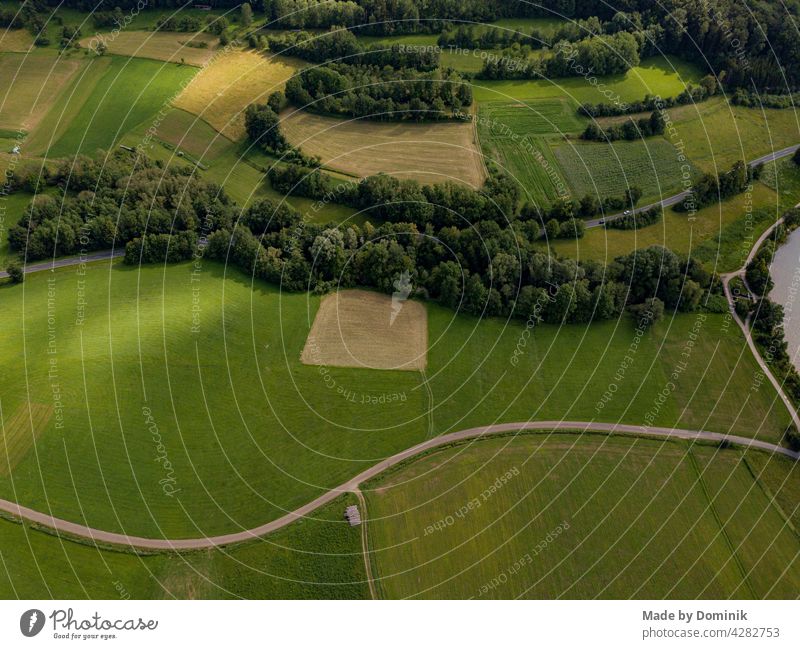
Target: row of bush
(629, 129)
(340, 45)
(635, 220)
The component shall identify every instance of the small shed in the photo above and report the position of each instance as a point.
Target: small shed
(352, 515)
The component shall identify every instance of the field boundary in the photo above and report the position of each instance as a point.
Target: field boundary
(352, 486)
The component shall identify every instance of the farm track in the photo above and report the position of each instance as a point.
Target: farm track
(353, 485)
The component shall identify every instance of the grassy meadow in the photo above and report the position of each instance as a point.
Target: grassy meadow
(318, 557)
(143, 392)
(126, 94)
(580, 516)
(665, 76)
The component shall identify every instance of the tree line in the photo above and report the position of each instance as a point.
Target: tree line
(458, 244)
(629, 129)
(709, 189)
(380, 93)
(341, 45)
(594, 56)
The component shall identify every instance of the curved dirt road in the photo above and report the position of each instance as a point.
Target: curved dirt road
(745, 326)
(352, 485)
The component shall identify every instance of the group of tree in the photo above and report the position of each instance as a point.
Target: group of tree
(590, 57)
(482, 37)
(93, 209)
(457, 244)
(380, 93)
(750, 99)
(629, 129)
(708, 188)
(635, 220)
(749, 45)
(566, 209)
(341, 45)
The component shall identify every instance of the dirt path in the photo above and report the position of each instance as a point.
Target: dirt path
(352, 485)
(745, 325)
(362, 502)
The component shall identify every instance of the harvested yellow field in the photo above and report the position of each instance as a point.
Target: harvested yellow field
(221, 92)
(15, 40)
(162, 46)
(430, 153)
(30, 84)
(19, 433)
(369, 331)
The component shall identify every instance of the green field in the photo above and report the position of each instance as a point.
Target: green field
(319, 557)
(250, 432)
(665, 76)
(129, 92)
(718, 134)
(580, 516)
(516, 136)
(605, 170)
(11, 209)
(720, 236)
(544, 117)
(716, 236)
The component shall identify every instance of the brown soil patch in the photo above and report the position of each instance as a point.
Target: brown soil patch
(221, 92)
(430, 153)
(19, 433)
(15, 40)
(368, 330)
(29, 85)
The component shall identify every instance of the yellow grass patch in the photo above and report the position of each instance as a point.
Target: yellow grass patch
(15, 40)
(162, 46)
(431, 152)
(221, 92)
(19, 433)
(29, 84)
(370, 331)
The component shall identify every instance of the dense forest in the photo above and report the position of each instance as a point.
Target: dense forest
(380, 93)
(750, 45)
(467, 249)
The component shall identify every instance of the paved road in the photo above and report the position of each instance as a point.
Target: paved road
(352, 485)
(70, 261)
(677, 198)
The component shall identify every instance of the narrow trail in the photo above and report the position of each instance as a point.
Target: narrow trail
(352, 485)
(362, 502)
